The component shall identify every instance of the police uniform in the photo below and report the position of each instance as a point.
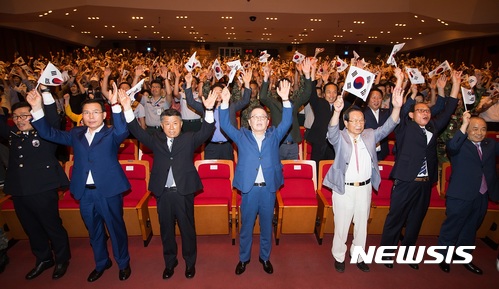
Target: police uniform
(33, 179)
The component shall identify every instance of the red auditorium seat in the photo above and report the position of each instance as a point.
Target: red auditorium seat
(296, 199)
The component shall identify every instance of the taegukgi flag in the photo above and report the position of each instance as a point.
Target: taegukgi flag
(298, 57)
(444, 66)
(415, 76)
(340, 64)
(396, 48)
(359, 82)
(51, 76)
(218, 70)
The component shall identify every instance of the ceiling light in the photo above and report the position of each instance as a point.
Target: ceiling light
(67, 13)
(74, 10)
(422, 20)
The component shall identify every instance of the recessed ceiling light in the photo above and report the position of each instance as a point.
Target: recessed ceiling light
(422, 20)
(74, 10)
(67, 13)
(415, 16)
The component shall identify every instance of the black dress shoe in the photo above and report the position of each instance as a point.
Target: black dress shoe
(241, 267)
(389, 265)
(190, 272)
(267, 266)
(414, 266)
(125, 273)
(471, 267)
(94, 275)
(363, 267)
(60, 270)
(339, 266)
(168, 273)
(444, 266)
(42, 266)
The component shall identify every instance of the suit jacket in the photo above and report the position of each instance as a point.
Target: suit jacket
(250, 158)
(468, 168)
(412, 146)
(322, 115)
(33, 166)
(100, 157)
(179, 159)
(371, 122)
(335, 177)
(276, 108)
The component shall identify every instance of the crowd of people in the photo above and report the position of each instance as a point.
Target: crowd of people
(258, 105)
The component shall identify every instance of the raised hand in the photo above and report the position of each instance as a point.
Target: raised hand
(466, 118)
(34, 99)
(209, 102)
(247, 76)
(398, 97)
(456, 77)
(283, 89)
(113, 94)
(188, 80)
(125, 100)
(338, 104)
(225, 95)
(107, 71)
(266, 72)
(441, 81)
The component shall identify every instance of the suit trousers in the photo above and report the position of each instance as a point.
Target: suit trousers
(258, 201)
(97, 211)
(409, 203)
(172, 206)
(463, 220)
(39, 217)
(354, 205)
(219, 151)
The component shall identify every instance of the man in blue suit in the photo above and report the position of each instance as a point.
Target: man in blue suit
(473, 179)
(98, 180)
(258, 173)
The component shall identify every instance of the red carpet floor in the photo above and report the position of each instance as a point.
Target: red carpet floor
(299, 262)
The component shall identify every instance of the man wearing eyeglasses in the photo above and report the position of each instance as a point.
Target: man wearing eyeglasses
(415, 169)
(354, 173)
(33, 179)
(258, 173)
(97, 181)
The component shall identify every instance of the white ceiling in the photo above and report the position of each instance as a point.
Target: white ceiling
(423, 21)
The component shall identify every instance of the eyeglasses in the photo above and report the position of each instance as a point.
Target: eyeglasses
(422, 110)
(259, 117)
(356, 121)
(93, 113)
(22, 116)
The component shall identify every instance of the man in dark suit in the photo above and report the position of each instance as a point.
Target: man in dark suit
(258, 173)
(473, 178)
(375, 116)
(220, 146)
(323, 111)
(415, 169)
(174, 179)
(97, 180)
(33, 178)
(289, 145)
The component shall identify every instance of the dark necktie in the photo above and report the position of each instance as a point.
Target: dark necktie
(483, 185)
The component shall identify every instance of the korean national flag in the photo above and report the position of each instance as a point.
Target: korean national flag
(51, 76)
(340, 64)
(444, 66)
(359, 82)
(415, 75)
(217, 69)
(298, 57)
(468, 95)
